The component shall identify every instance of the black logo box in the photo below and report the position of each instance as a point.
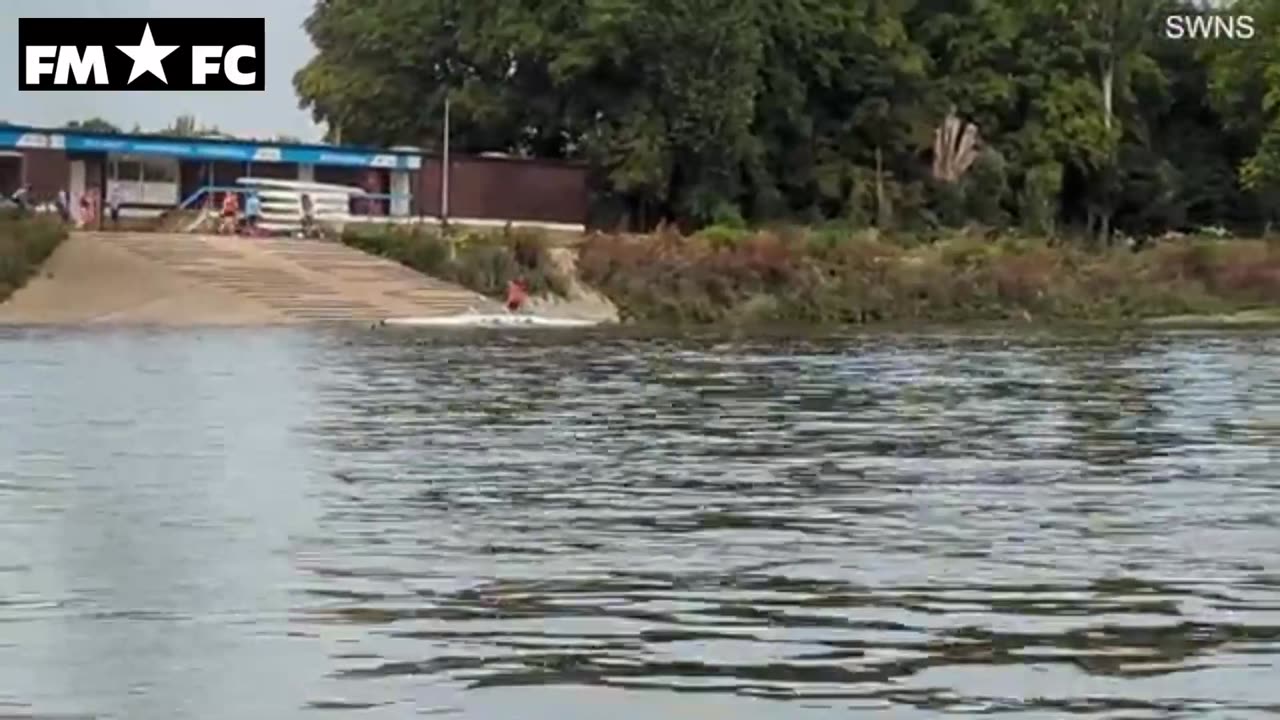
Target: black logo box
(110, 32)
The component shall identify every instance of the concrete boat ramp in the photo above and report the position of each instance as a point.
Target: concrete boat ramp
(173, 279)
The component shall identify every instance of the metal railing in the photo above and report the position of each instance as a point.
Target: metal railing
(208, 190)
(195, 196)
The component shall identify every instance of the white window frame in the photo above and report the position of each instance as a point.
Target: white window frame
(143, 191)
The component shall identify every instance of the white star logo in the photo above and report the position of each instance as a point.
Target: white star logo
(146, 56)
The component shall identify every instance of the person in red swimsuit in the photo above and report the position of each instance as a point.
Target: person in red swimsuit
(517, 295)
(230, 213)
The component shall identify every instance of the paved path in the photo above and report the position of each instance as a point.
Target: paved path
(202, 279)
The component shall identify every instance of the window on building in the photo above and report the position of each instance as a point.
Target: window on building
(159, 170)
(130, 170)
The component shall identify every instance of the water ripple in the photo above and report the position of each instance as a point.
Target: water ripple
(906, 525)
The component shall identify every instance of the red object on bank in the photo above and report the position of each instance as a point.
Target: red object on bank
(517, 295)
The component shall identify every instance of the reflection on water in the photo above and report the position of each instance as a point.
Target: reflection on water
(279, 524)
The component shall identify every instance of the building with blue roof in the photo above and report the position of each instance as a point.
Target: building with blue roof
(153, 173)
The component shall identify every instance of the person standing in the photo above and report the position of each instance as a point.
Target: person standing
(230, 212)
(252, 211)
(86, 210)
(113, 202)
(308, 215)
(63, 203)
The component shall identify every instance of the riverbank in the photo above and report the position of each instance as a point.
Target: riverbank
(25, 244)
(483, 261)
(829, 277)
(1243, 319)
(748, 282)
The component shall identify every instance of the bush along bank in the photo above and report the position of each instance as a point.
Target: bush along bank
(833, 277)
(25, 243)
(479, 260)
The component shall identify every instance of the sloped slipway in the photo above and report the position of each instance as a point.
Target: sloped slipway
(170, 279)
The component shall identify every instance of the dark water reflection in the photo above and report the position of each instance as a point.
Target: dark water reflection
(276, 524)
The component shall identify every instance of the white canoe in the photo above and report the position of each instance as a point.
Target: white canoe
(489, 320)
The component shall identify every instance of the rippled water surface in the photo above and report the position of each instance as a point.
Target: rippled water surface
(281, 524)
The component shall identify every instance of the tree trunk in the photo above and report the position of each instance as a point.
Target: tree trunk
(1108, 91)
(879, 189)
(1108, 110)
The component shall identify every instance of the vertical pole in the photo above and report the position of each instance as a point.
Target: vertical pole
(444, 168)
(98, 201)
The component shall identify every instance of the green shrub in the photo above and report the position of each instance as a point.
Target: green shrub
(1038, 202)
(724, 236)
(837, 275)
(25, 243)
(480, 260)
(985, 188)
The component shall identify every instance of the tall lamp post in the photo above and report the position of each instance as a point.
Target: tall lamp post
(444, 168)
(446, 66)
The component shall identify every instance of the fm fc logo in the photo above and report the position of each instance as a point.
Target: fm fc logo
(141, 54)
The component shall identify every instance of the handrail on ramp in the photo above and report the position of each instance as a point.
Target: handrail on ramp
(355, 193)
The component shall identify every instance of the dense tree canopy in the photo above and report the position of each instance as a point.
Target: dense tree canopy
(704, 111)
(93, 124)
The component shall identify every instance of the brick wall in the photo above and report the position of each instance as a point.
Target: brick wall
(46, 171)
(505, 189)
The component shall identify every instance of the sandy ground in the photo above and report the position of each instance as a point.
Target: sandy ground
(143, 278)
(87, 281)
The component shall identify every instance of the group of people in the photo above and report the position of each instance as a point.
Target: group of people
(88, 205)
(84, 213)
(234, 221)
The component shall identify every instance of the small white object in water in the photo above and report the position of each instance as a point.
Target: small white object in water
(494, 320)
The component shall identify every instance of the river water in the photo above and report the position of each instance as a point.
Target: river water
(305, 524)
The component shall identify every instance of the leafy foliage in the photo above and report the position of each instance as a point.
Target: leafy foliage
(699, 112)
(93, 124)
(25, 243)
(483, 261)
(841, 278)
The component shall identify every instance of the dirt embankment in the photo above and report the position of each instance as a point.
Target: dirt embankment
(581, 301)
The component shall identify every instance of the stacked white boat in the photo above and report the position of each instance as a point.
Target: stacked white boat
(282, 203)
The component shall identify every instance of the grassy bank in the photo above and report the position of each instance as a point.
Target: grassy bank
(833, 277)
(483, 261)
(843, 277)
(25, 243)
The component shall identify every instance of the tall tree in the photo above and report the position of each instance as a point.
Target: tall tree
(718, 110)
(1245, 88)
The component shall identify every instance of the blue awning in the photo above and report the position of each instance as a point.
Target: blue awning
(209, 151)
